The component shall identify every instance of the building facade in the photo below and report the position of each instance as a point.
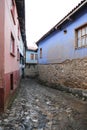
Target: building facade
(62, 51)
(10, 30)
(31, 63)
(31, 56)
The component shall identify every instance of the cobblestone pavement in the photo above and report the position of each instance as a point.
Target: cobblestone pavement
(41, 108)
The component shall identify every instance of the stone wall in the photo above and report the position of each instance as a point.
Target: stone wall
(31, 70)
(71, 73)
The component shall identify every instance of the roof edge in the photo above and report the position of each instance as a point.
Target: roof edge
(73, 11)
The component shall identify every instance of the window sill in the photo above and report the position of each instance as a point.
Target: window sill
(78, 48)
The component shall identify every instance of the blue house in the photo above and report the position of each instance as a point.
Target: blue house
(31, 63)
(62, 51)
(67, 39)
(31, 56)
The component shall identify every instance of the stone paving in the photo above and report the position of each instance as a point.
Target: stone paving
(38, 107)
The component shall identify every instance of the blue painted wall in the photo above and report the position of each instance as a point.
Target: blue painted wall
(58, 47)
(28, 57)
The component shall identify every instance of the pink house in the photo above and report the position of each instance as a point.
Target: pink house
(12, 24)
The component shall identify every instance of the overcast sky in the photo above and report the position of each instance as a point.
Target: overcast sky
(42, 15)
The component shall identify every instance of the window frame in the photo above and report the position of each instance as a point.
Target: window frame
(32, 56)
(81, 37)
(36, 56)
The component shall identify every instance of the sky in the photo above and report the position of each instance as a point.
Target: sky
(42, 15)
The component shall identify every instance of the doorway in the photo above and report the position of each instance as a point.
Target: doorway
(11, 81)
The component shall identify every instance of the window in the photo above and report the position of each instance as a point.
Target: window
(40, 52)
(13, 10)
(32, 57)
(81, 36)
(36, 57)
(12, 45)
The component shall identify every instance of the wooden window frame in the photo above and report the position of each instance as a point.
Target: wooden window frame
(82, 37)
(36, 56)
(32, 56)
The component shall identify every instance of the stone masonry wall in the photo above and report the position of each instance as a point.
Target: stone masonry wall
(71, 73)
(31, 70)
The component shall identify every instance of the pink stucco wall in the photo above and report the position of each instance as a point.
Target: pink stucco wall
(8, 63)
(1, 54)
(1, 40)
(11, 63)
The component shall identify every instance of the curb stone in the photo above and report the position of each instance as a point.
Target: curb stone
(74, 91)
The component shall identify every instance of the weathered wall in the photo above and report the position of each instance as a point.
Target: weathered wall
(2, 8)
(28, 57)
(2, 3)
(11, 63)
(69, 73)
(59, 46)
(31, 70)
(8, 63)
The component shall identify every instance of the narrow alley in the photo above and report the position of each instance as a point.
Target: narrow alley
(38, 107)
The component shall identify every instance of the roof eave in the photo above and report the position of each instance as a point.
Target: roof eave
(67, 17)
(21, 17)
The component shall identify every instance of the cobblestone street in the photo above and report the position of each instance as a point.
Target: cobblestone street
(38, 107)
